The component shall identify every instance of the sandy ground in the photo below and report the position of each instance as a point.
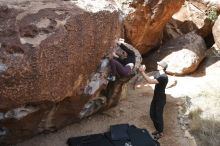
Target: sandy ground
(133, 110)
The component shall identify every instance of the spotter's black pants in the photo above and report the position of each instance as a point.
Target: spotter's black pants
(156, 112)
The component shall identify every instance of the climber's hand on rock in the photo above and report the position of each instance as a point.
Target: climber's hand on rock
(142, 68)
(114, 54)
(120, 41)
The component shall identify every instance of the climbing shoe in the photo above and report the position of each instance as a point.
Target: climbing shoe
(111, 78)
(3, 131)
(158, 136)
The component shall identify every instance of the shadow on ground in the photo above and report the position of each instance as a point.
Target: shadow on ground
(134, 109)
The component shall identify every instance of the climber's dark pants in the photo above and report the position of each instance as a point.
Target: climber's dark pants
(156, 113)
(118, 69)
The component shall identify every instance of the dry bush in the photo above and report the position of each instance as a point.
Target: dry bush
(206, 131)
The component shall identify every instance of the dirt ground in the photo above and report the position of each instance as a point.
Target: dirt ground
(134, 109)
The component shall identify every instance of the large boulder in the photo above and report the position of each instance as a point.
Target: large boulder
(215, 3)
(216, 32)
(182, 54)
(49, 51)
(192, 16)
(144, 27)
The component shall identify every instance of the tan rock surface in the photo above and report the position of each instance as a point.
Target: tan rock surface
(144, 27)
(191, 17)
(49, 50)
(182, 54)
(212, 2)
(216, 32)
(46, 50)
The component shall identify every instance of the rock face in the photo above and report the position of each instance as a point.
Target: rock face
(216, 32)
(182, 54)
(191, 17)
(212, 2)
(189, 51)
(51, 47)
(48, 52)
(109, 96)
(144, 27)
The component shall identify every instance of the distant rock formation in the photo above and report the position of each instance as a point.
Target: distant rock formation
(144, 27)
(191, 17)
(216, 32)
(212, 2)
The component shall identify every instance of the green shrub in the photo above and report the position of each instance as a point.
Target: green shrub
(212, 13)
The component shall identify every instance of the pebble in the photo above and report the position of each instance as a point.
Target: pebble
(183, 127)
(188, 135)
(186, 122)
(180, 103)
(180, 107)
(180, 111)
(192, 142)
(121, 110)
(181, 121)
(179, 116)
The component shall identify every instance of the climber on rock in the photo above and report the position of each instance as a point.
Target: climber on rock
(122, 62)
